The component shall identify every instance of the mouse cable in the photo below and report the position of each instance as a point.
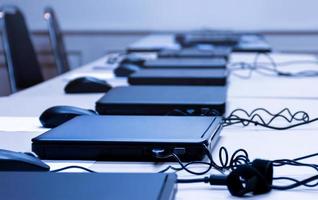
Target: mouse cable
(258, 115)
(73, 167)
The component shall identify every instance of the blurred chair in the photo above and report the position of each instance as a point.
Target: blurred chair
(57, 42)
(20, 57)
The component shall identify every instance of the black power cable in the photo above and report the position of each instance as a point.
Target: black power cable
(239, 157)
(258, 115)
(183, 166)
(271, 68)
(223, 180)
(73, 167)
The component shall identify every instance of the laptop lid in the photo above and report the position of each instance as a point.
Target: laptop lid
(213, 52)
(128, 137)
(179, 63)
(83, 186)
(179, 77)
(160, 100)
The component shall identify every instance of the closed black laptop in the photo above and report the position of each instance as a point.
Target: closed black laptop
(138, 138)
(202, 77)
(191, 39)
(253, 43)
(180, 63)
(216, 52)
(163, 100)
(84, 186)
(241, 42)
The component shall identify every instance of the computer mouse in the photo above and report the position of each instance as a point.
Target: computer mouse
(56, 115)
(16, 161)
(87, 85)
(125, 70)
(133, 59)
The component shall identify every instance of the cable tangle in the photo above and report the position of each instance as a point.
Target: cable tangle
(239, 157)
(270, 68)
(265, 118)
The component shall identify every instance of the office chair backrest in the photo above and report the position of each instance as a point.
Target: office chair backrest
(57, 42)
(23, 67)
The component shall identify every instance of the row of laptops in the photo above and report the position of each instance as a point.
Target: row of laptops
(172, 105)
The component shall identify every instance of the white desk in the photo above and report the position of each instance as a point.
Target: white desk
(270, 92)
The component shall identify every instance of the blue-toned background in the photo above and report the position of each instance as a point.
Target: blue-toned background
(176, 14)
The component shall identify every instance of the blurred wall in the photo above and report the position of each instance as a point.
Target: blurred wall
(176, 14)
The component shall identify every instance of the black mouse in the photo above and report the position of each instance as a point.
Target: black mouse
(56, 115)
(133, 59)
(16, 161)
(125, 70)
(87, 85)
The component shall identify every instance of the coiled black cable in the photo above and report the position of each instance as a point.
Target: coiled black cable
(257, 118)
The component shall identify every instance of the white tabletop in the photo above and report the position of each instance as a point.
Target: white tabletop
(19, 122)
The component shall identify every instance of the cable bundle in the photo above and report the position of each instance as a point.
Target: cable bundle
(271, 68)
(227, 162)
(244, 176)
(263, 117)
